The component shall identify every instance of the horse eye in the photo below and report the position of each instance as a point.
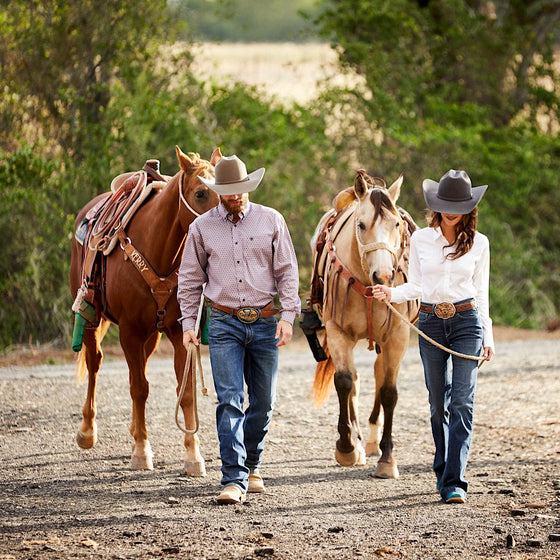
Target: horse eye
(200, 194)
(398, 225)
(361, 226)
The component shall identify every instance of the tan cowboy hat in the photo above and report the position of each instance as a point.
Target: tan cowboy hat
(231, 177)
(454, 194)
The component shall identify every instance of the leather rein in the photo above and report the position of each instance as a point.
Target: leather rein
(161, 287)
(353, 283)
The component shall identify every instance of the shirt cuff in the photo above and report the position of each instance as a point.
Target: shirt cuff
(187, 324)
(288, 316)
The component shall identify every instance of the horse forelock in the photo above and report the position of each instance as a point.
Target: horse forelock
(380, 200)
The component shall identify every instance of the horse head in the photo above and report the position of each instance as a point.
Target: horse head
(380, 229)
(195, 197)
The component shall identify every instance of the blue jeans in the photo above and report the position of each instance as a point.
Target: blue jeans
(451, 384)
(241, 353)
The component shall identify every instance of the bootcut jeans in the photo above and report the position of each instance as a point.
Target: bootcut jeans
(451, 384)
(242, 354)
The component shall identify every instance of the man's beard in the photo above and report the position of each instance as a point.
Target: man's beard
(235, 207)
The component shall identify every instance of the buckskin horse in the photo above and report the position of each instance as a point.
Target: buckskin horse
(362, 244)
(143, 307)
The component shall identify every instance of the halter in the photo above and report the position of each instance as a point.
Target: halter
(183, 199)
(365, 248)
(366, 291)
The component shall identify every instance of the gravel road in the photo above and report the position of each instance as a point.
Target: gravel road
(57, 501)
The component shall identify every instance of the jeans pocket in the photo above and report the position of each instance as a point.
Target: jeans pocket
(218, 315)
(469, 314)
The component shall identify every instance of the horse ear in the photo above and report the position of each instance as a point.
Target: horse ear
(184, 160)
(216, 155)
(360, 185)
(395, 189)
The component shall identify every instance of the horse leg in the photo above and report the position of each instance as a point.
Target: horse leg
(349, 450)
(376, 416)
(135, 353)
(388, 395)
(194, 462)
(91, 358)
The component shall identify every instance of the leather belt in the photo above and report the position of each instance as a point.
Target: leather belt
(447, 310)
(248, 314)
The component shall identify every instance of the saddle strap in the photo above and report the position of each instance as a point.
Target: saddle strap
(162, 288)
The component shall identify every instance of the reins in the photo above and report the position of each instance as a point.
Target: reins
(194, 362)
(431, 340)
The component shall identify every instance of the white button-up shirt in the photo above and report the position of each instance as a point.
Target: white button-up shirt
(436, 279)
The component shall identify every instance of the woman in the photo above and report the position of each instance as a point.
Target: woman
(449, 269)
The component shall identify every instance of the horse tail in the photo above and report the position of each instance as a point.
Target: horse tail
(81, 367)
(324, 374)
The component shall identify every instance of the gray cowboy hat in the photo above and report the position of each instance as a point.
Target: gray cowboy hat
(231, 177)
(454, 194)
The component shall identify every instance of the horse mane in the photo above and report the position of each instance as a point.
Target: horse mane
(199, 164)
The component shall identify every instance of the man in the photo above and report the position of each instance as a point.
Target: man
(244, 254)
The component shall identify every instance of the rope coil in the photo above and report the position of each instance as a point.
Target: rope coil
(193, 363)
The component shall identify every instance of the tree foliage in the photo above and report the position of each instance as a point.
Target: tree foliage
(244, 21)
(413, 53)
(466, 85)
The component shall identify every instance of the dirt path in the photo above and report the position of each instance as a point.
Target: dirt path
(57, 501)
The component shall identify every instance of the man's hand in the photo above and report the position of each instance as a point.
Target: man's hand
(188, 337)
(284, 332)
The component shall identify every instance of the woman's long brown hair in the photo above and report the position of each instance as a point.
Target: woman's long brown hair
(465, 231)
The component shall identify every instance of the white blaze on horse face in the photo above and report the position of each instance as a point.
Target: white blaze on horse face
(379, 241)
(382, 263)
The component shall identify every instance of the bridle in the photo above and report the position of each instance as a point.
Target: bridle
(365, 248)
(183, 199)
(366, 291)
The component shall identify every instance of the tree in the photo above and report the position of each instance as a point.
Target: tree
(495, 54)
(59, 57)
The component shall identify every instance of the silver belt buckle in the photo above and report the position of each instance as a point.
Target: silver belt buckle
(248, 315)
(444, 310)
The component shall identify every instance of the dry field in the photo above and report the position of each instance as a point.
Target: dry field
(290, 71)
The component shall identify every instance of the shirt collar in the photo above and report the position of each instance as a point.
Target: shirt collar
(438, 233)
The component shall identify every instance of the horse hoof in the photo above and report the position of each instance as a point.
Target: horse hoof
(386, 470)
(196, 468)
(372, 449)
(141, 463)
(361, 459)
(86, 441)
(347, 459)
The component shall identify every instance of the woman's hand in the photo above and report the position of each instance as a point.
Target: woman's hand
(487, 353)
(381, 292)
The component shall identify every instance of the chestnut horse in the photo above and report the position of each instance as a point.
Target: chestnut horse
(158, 231)
(366, 246)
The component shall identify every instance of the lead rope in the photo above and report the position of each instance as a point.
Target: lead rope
(425, 336)
(193, 360)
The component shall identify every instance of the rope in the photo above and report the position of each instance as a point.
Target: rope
(192, 361)
(425, 336)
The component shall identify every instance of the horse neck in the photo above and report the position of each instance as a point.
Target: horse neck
(163, 237)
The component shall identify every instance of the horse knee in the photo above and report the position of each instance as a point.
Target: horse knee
(389, 396)
(343, 382)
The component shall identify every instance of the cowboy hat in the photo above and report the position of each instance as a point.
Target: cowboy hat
(231, 177)
(454, 194)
